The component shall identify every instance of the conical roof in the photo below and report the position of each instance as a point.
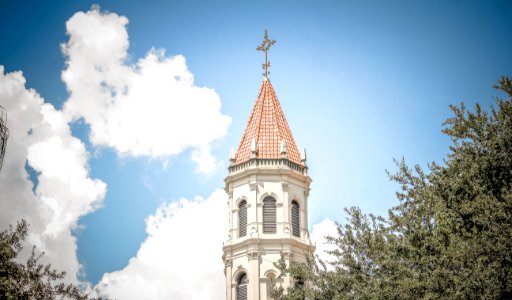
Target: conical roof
(267, 126)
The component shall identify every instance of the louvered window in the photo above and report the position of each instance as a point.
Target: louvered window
(269, 215)
(299, 282)
(271, 280)
(295, 219)
(242, 219)
(241, 287)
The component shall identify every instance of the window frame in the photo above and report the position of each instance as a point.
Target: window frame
(295, 218)
(242, 281)
(269, 215)
(242, 226)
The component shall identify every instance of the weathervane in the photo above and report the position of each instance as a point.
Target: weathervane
(265, 46)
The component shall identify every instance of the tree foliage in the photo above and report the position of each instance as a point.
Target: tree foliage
(450, 236)
(29, 280)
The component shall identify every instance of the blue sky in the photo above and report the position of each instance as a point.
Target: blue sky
(360, 82)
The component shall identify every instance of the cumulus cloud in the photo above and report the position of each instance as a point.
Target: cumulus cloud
(318, 233)
(181, 257)
(183, 252)
(151, 108)
(41, 139)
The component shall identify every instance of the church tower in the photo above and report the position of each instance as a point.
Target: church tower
(268, 189)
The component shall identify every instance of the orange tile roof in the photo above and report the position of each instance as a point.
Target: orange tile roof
(268, 127)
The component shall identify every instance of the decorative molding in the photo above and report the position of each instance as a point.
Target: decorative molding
(298, 199)
(253, 186)
(236, 274)
(254, 232)
(287, 254)
(253, 255)
(228, 263)
(285, 186)
(239, 200)
(269, 273)
(269, 194)
(229, 190)
(306, 192)
(268, 163)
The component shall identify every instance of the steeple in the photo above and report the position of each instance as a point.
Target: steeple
(267, 131)
(268, 189)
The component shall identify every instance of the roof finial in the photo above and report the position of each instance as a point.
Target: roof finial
(265, 46)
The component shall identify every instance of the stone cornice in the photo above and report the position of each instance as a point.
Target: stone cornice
(294, 242)
(268, 163)
(258, 166)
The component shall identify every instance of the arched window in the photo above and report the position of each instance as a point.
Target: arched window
(269, 215)
(242, 219)
(295, 219)
(298, 283)
(271, 282)
(241, 287)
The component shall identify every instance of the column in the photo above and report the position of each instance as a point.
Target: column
(254, 275)
(229, 278)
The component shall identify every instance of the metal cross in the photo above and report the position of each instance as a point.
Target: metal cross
(265, 46)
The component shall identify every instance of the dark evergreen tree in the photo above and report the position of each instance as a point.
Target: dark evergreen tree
(29, 280)
(450, 236)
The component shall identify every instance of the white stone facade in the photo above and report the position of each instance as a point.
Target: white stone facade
(255, 253)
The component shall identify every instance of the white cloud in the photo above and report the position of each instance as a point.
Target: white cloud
(325, 228)
(151, 108)
(181, 257)
(40, 137)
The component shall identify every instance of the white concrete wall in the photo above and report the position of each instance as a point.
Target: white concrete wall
(256, 252)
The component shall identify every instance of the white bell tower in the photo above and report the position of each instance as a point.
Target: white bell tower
(268, 188)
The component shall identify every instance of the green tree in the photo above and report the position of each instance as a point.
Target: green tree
(450, 236)
(29, 280)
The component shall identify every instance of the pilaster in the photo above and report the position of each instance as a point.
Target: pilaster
(254, 272)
